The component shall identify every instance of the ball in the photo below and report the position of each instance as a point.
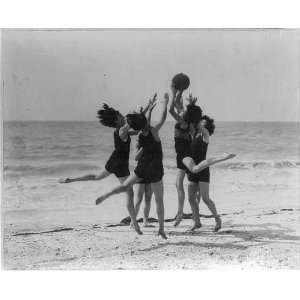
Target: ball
(181, 82)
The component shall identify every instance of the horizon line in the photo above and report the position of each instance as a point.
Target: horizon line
(244, 121)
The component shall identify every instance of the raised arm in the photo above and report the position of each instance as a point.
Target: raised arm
(150, 103)
(138, 150)
(163, 115)
(204, 133)
(179, 101)
(172, 111)
(149, 112)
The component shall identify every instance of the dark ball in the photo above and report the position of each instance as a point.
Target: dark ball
(181, 82)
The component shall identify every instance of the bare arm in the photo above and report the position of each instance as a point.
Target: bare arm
(163, 115)
(172, 111)
(123, 132)
(204, 133)
(149, 105)
(138, 150)
(193, 168)
(149, 113)
(138, 154)
(179, 101)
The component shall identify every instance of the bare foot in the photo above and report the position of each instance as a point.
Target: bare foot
(196, 226)
(162, 234)
(136, 227)
(100, 200)
(178, 219)
(229, 156)
(218, 224)
(65, 180)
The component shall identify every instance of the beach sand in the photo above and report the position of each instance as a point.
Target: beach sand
(261, 219)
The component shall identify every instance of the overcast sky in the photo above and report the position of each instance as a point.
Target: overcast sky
(238, 75)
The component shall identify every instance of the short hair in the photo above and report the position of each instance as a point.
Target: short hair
(192, 114)
(181, 82)
(137, 121)
(210, 124)
(108, 116)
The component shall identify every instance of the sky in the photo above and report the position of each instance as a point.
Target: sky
(237, 75)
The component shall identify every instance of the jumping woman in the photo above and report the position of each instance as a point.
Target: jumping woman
(182, 147)
(143, 188)
(150, 166)
(118, 163)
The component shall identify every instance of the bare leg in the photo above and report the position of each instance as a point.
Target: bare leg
(122, 188)
(192, 190)
(204, 189)
(104, 173)
(148, 196)
(139, 193)
(181, 196)
(130, 205)
(125, 187)
(158, 190)
(198, 195)
(190, 163)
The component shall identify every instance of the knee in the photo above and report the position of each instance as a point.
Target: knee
(139, 196)
(126, 188)
(138, 200)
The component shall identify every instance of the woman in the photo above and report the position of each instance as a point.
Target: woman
(182, 148)
(150, 165)
(188, 157)
(201, 180)
(143, 188)
(118, 163)
(198, 171)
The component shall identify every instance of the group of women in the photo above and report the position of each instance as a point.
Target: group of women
(192, 132)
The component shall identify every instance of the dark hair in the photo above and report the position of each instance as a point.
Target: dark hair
(137, 121)
(210, 124)
(108, 116)
(181, 82)
(192, 114)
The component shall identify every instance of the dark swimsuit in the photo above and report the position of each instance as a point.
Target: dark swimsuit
(198, 151)
(118, 163)
(150, 166)
(139, 147)
(182, 145)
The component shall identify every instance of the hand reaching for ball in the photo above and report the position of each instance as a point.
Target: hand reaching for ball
(166, 98)
(192, 100)
(174, 91)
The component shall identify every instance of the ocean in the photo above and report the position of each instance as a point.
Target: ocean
(37, 154)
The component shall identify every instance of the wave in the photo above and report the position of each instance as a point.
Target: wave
(247, 165)
(65, 168)
(29, 170)
(74, 147)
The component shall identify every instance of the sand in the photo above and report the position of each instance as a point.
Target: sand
(264, 239)
(260, 230)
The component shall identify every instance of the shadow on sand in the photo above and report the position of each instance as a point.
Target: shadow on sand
(261, 234)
